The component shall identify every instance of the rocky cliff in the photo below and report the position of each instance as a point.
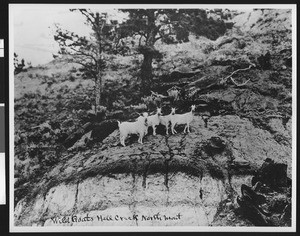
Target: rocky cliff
(171, 180)
(197, 175)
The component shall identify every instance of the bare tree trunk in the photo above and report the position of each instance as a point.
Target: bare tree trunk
(148, 53)
(146, 73)
(98, 93)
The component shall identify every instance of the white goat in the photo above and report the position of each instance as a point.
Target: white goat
(164, 120)
(154, 121)
(145, 114)
(180, 119)
(137, 127)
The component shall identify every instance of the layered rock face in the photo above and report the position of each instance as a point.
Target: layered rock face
(176, 180)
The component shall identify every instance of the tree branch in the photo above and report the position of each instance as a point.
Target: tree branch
(80, 53)
(157, 38)
(239, 85)
(224, 80)
(90, 18)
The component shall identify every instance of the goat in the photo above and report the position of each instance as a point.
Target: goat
(145, 114)
(153, 121)
(137, 127)
(179, 119)
(164, 120)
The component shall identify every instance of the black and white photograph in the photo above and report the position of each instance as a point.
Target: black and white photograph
(152, 118)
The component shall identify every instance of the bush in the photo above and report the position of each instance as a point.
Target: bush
(208, 48)
(72, 78)
(119, 104)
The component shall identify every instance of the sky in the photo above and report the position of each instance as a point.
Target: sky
(32, 27)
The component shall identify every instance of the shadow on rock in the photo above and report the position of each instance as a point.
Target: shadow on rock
(268, 201)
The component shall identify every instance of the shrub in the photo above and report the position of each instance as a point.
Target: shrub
(208, 48)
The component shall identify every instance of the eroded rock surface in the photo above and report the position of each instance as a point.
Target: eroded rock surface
(182, 179)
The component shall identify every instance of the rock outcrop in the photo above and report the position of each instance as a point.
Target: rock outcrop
(182, 179)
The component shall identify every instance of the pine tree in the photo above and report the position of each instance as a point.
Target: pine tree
(168, 25)
(90, 52)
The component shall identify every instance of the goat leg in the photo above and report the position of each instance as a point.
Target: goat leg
(173, 130)
(153, 127)
(140, 139)
(122, 140)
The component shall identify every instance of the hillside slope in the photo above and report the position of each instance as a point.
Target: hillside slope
(69, 161)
